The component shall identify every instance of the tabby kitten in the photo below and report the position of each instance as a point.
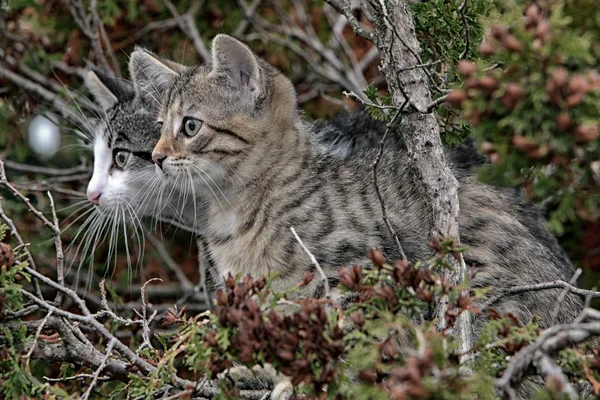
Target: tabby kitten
(237, 123)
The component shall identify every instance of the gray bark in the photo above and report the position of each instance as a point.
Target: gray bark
(395, 38)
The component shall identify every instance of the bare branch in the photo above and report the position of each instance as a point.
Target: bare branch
(83, 168)
(44, 94)
(563, 295)
(169, 262)
(550, 342)
(540, 286)
(82, 19)
(99, 25)
(344, 8)
(101, 367)
(315, 263)
(188, 26)
(60, 257)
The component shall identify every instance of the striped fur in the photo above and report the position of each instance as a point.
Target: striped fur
(263, 172)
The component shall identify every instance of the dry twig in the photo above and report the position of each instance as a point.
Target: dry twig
(315, 263)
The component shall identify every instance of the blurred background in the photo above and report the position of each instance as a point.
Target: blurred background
(44, 48)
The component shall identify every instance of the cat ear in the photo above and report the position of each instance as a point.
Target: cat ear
(107, 90)
(234, 59)
(152, 76)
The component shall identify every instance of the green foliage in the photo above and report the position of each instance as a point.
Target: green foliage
(17, 382)
(537, 116)
(440, 28)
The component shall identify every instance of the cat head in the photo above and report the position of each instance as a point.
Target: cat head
(215, 118)
(123, 140)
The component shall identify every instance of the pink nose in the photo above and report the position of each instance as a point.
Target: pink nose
(94, 197)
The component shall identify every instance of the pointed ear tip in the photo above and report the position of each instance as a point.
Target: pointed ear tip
(223, 38)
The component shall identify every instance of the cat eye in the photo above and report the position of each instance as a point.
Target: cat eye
(191, 126)
(121, 158)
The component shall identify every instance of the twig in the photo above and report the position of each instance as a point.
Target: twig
(4, 182)
(60, 257)
(109, 350)
(540, 286)
(343, 8)
(322, 60)
(100, 28)
(78, 377)
(426, 65)
(35, 339)
(43, 93)
(551, 341)
(145, 321)
(83, 168)
(375, 183)
(563, 295)
(249, 13)
(435, 103)
(315, 263)
(368, 103)
(83, 20)
(169, 262)
(202, 263)
(15, 233)
(188, 26)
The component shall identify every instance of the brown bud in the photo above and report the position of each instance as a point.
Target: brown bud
(488, 83)
(543, 31)
(539, 152)
(494, 158)
(471, 83)
(563, 120)
(487, 147)
(308, 277)
(376, 257)
(221, 298)
(594, 81)
(466, 68)
(515, 90)
(285, 355)
(486, 49)
(575, 99)
(512, 95)
(586, 133)
(498, 31)
(578, 83)
(523, 143)
(560, 76)
(456, 97)
(512, 44)
(7, 256)
(367, 375)
(358, 318)
(533, 13)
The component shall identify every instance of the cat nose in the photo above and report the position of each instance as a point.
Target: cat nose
(158, 159)
(94, 197)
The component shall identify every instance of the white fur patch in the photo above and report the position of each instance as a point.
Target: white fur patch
(102, 164)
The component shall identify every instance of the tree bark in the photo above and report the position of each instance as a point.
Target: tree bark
(395, 38)
(399, 49)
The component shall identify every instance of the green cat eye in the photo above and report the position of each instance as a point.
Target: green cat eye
(121, 158)
(191, 126)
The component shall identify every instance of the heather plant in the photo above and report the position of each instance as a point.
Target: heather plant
(533, 103)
